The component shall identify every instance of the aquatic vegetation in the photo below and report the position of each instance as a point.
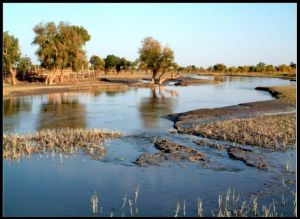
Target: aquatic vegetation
(229, 205)
(62, 140)
(268, 131)
(94, 201)
(234, 208)
(199, 208)
(177, 209)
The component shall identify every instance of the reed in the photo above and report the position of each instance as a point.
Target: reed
(62, 140)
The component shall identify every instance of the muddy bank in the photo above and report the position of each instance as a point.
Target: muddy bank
(248, 157)
(146, 82)
(249, 123)
(244, 110)
(37, 89)
(185, 81)
(282, 75)
(169, 150)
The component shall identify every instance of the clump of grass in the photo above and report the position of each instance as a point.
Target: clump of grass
(268, 131)
(94, 201)
(285, 94)
(199, 208)
(62, 140)
(233, 208)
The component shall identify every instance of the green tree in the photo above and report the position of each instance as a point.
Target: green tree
(260, 67)
(293, 65)
(156, 58)
(219, 68)
(11, 54)
(283, 68)
(270, 68)
(97, 63)
(24, 65)
(252, 68)
(232, 69)
(124, 64)
(112, 62)
(60, 47)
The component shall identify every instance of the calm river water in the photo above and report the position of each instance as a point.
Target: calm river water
(45, 185)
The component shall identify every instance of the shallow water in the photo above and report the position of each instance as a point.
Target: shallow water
(43, 185)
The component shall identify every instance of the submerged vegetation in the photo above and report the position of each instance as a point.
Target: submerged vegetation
(66, 140)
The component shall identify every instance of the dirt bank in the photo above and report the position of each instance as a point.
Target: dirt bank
(36, 89)
(145, 81)
(169, 150)
(288, 76)
(185, 81)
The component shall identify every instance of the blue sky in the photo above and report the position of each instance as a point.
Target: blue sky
(199, 34)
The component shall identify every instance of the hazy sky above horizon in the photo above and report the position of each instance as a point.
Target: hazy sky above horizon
(200, 34)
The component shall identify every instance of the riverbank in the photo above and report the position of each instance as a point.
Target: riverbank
(285, 94)
(37, 88)
(249, 123)
(282, 75)
(103, 83)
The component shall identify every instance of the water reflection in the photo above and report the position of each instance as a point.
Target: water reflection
(15, 105)
(161, 102)
(62, 110)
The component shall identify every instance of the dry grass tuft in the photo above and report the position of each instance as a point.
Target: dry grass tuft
(268, 131)
(64, 140)
(285, 94)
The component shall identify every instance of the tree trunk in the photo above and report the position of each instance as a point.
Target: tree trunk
(50, 77)
(154, 76)
(61, 76)
(13, 76)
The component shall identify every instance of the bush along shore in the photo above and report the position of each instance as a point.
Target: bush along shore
(66, 140)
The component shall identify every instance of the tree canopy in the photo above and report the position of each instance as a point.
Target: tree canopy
(24, 65)
(60, 46)
(155, 57)
(11, 54)
(97, 63)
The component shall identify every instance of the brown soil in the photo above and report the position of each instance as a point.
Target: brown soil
(36, 89)
(177, 150)
(185, 81)
(151, 159)
(169, 151)
(250, 158)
